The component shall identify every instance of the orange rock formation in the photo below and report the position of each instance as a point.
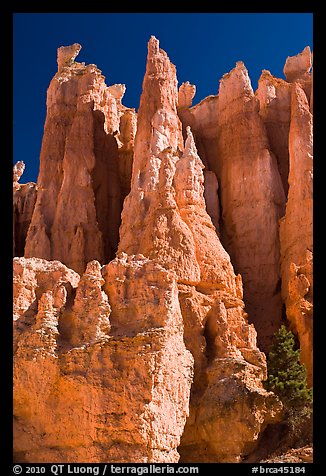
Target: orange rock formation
(244, 139)
(296, 229)
(176, 231)
(85, 165)
(231, 136)
(252, 200)
(24, 197)
(119, 388)
(151, 355)
(274, 96)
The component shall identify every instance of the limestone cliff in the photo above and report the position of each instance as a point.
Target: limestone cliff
(159, 247)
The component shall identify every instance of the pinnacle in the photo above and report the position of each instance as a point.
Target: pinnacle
(153, 46)
(190, 146)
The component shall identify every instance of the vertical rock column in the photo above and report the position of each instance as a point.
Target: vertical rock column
(252, 201)
(165, 219)
(202, 118)
(274, 96)
(296, 229)
(24, 197)
(151, 224)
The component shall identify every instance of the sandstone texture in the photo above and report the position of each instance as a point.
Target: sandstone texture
(202, 118)
(24, 197)
(80, 166)
(18, 171)
(155, 258)
(186, 94)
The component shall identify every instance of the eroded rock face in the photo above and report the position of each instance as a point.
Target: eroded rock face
(66, 55)
(173, 228)
(151, 357)
(24, 197)
(186, 94)
(203, 120)
(252, 201)
(274, 96)
(227, 127)
(18, 171)
(235, 146)
(119, 388)
(298, 66)
(81, 184)
(296, 228)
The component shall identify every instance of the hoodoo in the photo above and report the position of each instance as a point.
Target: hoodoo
(153, 253)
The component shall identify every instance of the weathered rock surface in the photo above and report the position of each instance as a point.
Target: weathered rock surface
(296, 228)
(81, 184)
(173, 228)
(120, 393)
(153, 357)
(297, 455)
(211, 198)
(24, 197)
(202, 118)
(274, 96)
(18, 171)
(298, 69)
(186, 94)
(227, 127)
(298, 66)
(252, 200)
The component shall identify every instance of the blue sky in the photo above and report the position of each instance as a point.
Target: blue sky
(203, 46)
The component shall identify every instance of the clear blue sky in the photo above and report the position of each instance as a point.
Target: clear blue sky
(203, 46)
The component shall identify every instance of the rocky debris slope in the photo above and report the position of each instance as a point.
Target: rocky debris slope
(297, 455)
(24, 198)
(85, 165)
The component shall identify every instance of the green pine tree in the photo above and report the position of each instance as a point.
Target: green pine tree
(287, 378)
